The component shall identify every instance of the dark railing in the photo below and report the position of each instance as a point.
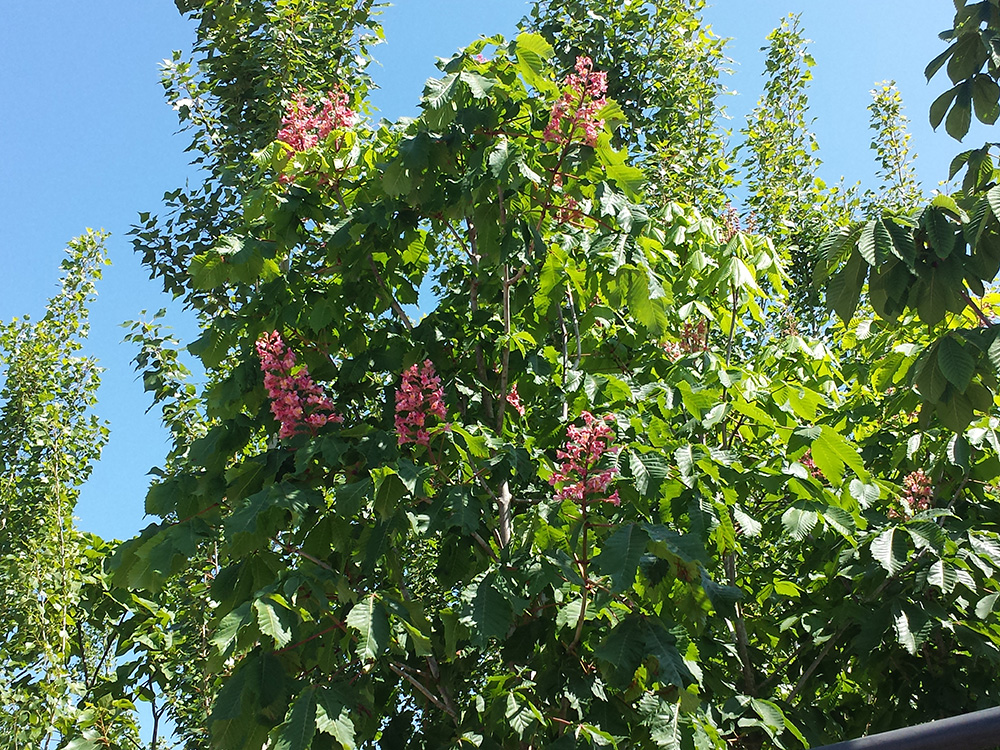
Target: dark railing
(979, 730)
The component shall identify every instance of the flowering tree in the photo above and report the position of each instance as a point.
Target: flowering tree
(495, 451)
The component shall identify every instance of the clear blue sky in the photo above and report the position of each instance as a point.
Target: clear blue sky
(88, 143)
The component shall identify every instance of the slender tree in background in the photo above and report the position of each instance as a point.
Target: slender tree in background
(899, 189)
(597, 495)
(665, 69)
(54, 640)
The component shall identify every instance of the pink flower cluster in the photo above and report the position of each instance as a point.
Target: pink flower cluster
(807, 461)
(918, 490)
(419, 397)
(582, 98)
(304, 126)
(297, 402)
(577, 476)
(514, 399)
(694, 339)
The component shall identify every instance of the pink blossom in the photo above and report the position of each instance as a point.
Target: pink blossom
(297, 402)
(569, 211)
(807, 461)
(918, 491)
(514, 399)
(420, 396)
(578, 477)
(304, 126)
(581, 100)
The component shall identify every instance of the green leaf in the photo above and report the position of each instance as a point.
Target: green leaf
(533, 52)
(904, 633)
(960, 116)
(491, 612)
(987, 605)
(620, 555)
(844, 290)
(662, 646)
(866, 244)
(956, 412)
(478, 85)
(956, 363)
(648, 470)
(831, 452)
(300, 726)
(723, 598)
(334, 718)
(230, 627)
(987, 547)
(985, 96)
(943, 575)
(799, 521)
(623, 650)
(270, 620)
(889, 550)
(927, 535)
(686, 547)
(368, 617)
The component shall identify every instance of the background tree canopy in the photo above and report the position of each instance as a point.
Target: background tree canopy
(650, 469)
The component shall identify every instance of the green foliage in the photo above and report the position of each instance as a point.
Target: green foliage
(54, 634)
(899, 189)
(664, 69)
(776, 534)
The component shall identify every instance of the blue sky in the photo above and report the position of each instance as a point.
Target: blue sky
(89, 143)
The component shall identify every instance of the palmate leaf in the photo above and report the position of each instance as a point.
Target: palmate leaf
(620, 555)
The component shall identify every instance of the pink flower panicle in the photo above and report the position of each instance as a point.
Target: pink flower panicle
(297, 402)
(694, 337)
(419, 397)
(578, 477)
(304, 126)
(918, 491)
(581, 100)
(514, 399)
(807, 461)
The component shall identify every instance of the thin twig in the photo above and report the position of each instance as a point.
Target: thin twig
(423, 690)
(396, 308)
(976, 309)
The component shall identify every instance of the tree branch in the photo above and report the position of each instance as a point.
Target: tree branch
(396, 308)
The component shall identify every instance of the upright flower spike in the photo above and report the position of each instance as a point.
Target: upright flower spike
(514, 399)
(420, 397)
(304, 126)
(574, 115)
(918, 491)
(297, 402)
(578, 478)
